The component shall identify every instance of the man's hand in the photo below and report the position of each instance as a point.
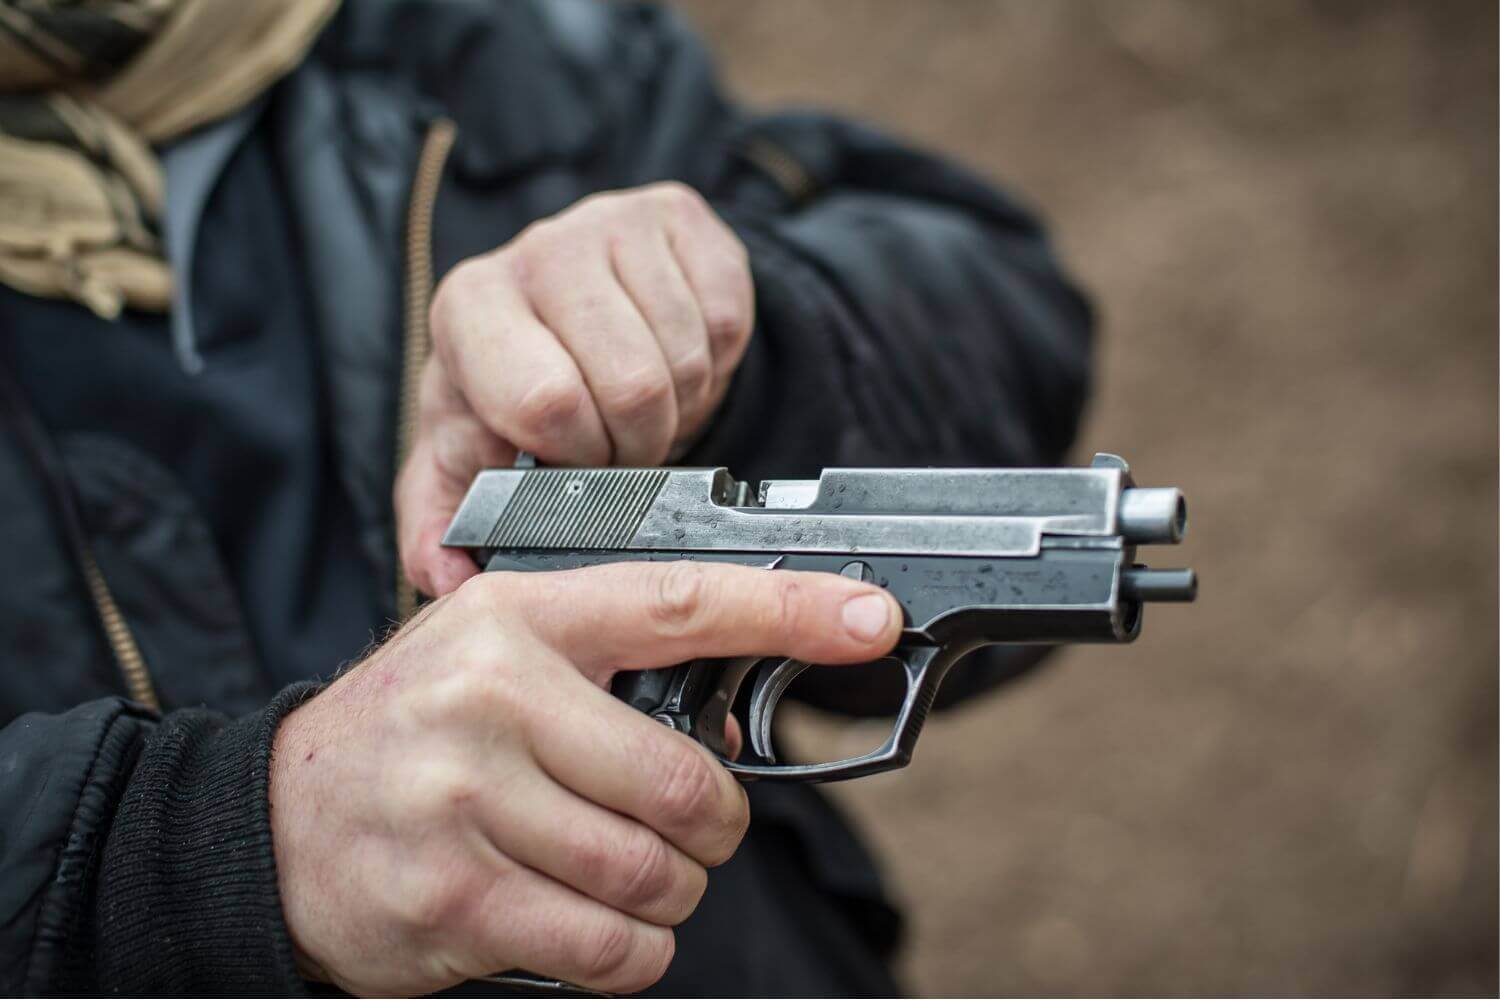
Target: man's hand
(604, 335)
(470, 799)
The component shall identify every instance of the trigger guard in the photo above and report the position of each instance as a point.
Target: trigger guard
(770, 685)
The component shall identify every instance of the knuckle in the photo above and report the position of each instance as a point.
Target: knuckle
(687, 895)
(653, 955)
(530, 260)
(606, 950)
(672, 309)
(518, 259)
(663, 957)
(689, 790)
(430, 907)
(678, 197)
(480, 592)
(727, 322)
(479, 691)
(597, 203)
(540, 234)
(681, 594)
(474, 691)
(438, 894)
(647, 872)
(638, 394)
(440, 703)
(550, 404)
(692, 374)
(593, 860)
(782, 612)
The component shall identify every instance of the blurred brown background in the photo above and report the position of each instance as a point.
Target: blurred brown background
(1287, 214)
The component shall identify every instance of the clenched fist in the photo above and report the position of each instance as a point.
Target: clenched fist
(471, 799)
(604, 335)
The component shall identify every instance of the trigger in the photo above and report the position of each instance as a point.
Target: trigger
(708, 722)
(770, 685)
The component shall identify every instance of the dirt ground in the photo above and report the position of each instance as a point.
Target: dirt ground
(1287, 214)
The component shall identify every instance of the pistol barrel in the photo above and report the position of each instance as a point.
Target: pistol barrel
(1156, 514)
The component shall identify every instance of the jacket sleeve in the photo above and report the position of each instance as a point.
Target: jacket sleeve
(137, 854)
(908, 314)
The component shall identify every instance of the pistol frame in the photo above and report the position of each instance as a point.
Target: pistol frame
(974, 556)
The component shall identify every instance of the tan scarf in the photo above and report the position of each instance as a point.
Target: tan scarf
(86, 87)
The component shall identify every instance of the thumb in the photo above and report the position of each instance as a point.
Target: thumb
(428, 492)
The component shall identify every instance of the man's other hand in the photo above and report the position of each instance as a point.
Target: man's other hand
(604, 335)
(471, 799)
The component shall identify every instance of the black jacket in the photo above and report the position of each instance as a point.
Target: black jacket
(221, 488)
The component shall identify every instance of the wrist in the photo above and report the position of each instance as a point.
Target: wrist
(292, 749)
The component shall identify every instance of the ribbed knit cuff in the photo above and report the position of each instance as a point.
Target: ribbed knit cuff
(188, 899)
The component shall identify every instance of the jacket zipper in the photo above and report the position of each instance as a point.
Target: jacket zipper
(418, 294)
(38, 445)
(117, 631)
(416, 341)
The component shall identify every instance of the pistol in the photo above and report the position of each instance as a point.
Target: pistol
(974, 556)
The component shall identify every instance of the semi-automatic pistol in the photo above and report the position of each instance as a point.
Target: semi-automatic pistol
(974, 556)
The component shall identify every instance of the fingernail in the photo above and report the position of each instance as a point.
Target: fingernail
(867, 616)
